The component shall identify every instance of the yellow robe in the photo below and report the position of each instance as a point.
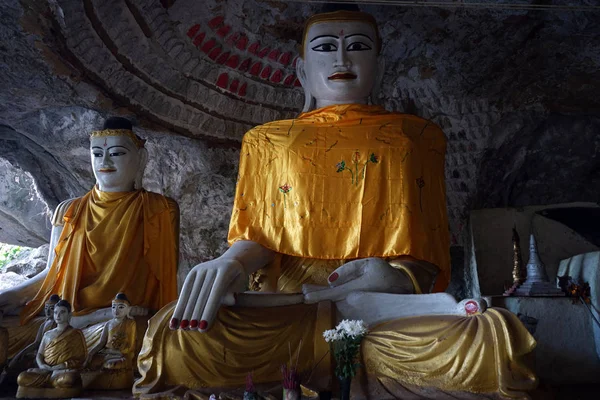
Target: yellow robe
(345, 182)
(69, 348)
(113, 242)
(340, 183)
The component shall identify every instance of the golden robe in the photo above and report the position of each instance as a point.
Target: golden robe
(345, 182)
(113, 242)
(340, 183)
(120, 346)
(69, 347)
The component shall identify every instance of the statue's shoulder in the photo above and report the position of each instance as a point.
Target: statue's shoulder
(157, 197)
(413, 124)
(274, 127)
(61, 209)
(173, 206)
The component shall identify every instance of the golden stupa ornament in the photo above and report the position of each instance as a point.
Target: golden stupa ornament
(518, 273)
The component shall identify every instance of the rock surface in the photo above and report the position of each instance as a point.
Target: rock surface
(515, 91)
(30, 262)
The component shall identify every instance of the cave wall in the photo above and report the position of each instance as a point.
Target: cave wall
(514, 91)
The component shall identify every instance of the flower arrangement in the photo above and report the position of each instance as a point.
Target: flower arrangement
(345, 342)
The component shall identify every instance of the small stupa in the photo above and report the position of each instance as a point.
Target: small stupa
(537, 283)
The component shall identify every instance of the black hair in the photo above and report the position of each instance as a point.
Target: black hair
(54, 298)
(65, 304)
(121, 296)
(118, 123)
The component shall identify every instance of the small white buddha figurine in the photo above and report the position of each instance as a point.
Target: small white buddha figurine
(61, 354)
(344, 204)
(115, 352)
(116, 349)
(118, 237)
(47, 325)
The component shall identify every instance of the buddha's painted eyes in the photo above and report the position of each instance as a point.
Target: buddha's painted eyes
(117, 153)
(325, 47)
(358, 46)
(97, 154)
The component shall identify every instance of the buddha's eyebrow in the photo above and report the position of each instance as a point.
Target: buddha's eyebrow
(323, 36)
(359, 34)
(112, 147)
(97, 147)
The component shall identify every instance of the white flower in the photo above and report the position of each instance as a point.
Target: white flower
(346, 328)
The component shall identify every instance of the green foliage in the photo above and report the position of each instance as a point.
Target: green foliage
(8, 253)
(345, 352)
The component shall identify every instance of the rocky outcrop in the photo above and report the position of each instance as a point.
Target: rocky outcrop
(29, 263)
(23, 212)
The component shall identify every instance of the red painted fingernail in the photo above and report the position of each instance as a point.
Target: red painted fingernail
(184, 324)
(174, 323)
(203, 325)
(194, 324)
(334, 277)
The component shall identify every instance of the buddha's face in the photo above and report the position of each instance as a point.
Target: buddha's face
(49, 310)
(61, 315)
(340, 61)
(116, 162)
(119, 310)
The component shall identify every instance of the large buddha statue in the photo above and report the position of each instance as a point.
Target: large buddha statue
(118, 237)
(344, 204)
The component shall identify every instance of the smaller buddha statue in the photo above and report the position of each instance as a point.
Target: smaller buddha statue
(47, 325)
(118, 237)
(61, 354)
(111, 361)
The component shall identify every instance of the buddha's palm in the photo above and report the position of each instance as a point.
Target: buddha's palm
(366, 275)
(206, 288)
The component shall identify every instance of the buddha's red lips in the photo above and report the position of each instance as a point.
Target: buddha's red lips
(342, 76)
(107, 170)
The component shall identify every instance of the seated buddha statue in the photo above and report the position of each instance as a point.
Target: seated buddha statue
(61, 354)
(343, 205)
(118, 237)
(47, 325)
(115, 352)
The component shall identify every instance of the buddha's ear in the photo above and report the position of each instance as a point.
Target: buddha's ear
(378, 79)
(301, 74)
(143, 157)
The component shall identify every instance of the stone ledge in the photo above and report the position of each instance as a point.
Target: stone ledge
(566, 351)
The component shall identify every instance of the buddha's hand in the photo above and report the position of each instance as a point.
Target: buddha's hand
(366, 275)
(10, 301)
(137, 311)
(59, 367)
(207, 286)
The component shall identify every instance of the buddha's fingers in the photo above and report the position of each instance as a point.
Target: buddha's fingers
(337, 293)
(308, 288)
(348, 272)
(201, 302)
(214, 302)
(199, 282)
(184, 297)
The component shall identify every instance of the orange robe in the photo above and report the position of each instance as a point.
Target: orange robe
(113, 242)
(345, 182)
